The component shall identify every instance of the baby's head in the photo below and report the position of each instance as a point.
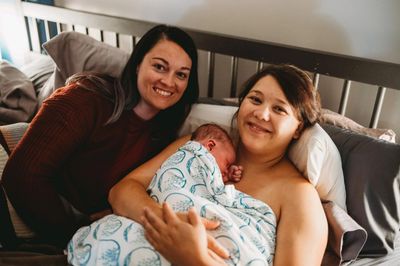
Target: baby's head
(218, 143)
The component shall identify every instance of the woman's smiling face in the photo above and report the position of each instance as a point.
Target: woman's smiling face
(163, 77)
(267, 122)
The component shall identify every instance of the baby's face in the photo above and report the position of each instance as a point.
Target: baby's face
(225, 156)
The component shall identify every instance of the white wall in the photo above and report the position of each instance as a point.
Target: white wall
(13, 38)
(366, 28)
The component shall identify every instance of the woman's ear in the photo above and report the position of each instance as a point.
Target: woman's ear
(298, 131)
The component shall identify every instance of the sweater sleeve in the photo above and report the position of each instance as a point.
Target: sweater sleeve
(61, 126)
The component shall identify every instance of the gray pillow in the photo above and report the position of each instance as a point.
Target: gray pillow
(75, 52)
(17, 96)
(372, 180)
(38, 70)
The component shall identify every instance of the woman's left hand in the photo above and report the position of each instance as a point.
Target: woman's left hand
(182, 243)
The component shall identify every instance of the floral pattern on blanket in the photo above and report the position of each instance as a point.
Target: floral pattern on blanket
(189, 178)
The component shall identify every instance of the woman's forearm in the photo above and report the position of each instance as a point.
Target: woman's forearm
(129, 198)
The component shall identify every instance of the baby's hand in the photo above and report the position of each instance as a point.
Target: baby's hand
(235, 173)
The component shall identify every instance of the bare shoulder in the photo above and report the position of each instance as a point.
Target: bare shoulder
(288, 189)
(302, 226)
(300, 194)
(295, 186)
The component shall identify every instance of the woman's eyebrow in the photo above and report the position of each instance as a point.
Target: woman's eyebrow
(162, 59)
(166, 62)
(256, 92)
(282, 101)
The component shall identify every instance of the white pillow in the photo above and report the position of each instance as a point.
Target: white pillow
(314, 154)
(208, 113)
(322, 164)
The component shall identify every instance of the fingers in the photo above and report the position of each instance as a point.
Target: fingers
(169, 215)
(217, 259)
(194, 218)
(216, 247)
(210, 224)
(150, 225)
(152, 222)
(236, 172)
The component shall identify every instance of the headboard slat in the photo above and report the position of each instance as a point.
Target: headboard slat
(316, 80)
(234, 74)
(59, 28)
(133, 42)
(101, 36)
(46, 30)
(260, 66)
(117, 44)
(377, 107)
(210, 73)
(34, 35)
(345, 97)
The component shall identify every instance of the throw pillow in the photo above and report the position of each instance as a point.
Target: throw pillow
(372, 177)
(75, 52)
(17, 98)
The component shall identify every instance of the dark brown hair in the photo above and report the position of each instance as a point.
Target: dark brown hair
(297, 87)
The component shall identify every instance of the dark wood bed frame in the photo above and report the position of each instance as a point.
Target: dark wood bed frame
(348, 68)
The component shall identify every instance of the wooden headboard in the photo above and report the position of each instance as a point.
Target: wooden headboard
(252, 53)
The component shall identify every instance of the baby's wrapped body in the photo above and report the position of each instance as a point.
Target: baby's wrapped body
(189, 178)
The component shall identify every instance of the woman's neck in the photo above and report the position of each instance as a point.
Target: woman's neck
(145, 111)
(256, 162)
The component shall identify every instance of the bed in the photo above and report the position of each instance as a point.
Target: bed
(367, 234)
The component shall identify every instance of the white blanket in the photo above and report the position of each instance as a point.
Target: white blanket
(189, 178)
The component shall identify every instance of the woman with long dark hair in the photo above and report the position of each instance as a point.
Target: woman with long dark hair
(92, 132)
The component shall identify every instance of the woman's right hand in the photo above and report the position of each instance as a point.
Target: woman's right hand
(181, 242)
(184, 217)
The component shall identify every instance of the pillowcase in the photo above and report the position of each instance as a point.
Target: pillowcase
(372, 177)
(332, 118)
(346, 237)
(317, 158)
(208, 113)
(75, 52)
(17, 98)
(38, 70)
(324, 169)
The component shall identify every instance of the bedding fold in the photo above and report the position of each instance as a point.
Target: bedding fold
(346, 236)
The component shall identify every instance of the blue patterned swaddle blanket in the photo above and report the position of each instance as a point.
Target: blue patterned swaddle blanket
(189, 178)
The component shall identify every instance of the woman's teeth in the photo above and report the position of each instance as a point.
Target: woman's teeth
(162, 92)
(257, 128)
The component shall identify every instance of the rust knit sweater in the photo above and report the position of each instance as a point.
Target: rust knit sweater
(68, 151)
